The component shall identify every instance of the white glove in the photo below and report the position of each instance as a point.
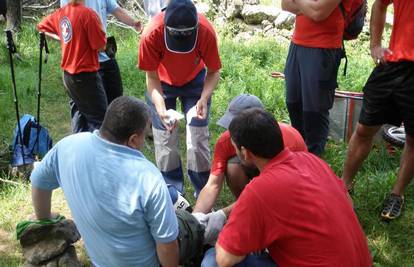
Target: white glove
(215, 222)
(201, 218)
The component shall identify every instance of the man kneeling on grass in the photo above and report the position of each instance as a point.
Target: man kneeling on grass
(227, 166)
(118, 199)
(297, 208)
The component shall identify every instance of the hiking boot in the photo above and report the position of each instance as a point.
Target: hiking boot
(392, 207)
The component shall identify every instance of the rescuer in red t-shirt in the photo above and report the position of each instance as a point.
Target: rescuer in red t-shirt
(227, 166)
(312, 66)
(388, 98)
(297, 208)
(178, 51)
(81, 36)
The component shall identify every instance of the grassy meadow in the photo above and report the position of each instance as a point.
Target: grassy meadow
(246, 69)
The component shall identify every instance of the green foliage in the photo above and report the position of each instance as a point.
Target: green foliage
(246, 69)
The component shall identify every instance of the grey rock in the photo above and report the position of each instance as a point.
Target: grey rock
(255, 14)
(251, 2)
(41, 243)
(285, 20)
(69, 258)
(389, 20)
(202, 8)
(233, 10)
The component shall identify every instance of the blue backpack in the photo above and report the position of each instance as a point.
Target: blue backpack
(36, 141)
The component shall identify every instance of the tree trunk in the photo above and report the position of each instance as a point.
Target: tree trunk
(14, 14)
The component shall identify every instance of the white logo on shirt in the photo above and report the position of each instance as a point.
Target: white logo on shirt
(66, 29)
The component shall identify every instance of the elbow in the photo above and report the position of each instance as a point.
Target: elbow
(318, 15)
(221, 260)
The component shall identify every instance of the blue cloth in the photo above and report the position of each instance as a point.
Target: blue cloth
(118, 199)
(102, 7)
(252, 260)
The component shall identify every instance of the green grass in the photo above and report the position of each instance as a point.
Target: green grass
(246, 68)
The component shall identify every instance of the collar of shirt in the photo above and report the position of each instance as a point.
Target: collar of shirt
(119, 148)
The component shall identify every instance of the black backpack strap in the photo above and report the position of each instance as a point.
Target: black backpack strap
(342, 8)
(344, 56)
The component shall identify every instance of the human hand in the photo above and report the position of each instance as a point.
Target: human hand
(138, 26)
(168, 122)
(277, 75)
(215, 223)
(201, 218)
(378, 54)
(201, 108)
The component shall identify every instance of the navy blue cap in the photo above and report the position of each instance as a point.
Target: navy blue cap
(181, 26)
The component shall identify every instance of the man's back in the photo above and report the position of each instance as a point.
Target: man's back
(299, 210)
(118, 199)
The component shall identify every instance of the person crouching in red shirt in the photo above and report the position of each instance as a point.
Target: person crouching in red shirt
(297, 208)
(81, 37)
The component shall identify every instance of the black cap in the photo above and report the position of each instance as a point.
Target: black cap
(181, 26)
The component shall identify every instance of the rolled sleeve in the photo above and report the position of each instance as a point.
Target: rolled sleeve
(111, 6)
(160, 214)
(44, 176)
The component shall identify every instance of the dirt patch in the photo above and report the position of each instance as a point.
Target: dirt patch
(8, 245)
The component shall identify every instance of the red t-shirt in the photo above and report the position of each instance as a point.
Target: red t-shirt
(224, 150)
(323, 34)
(178, 69)
(81, 35)
(298, 209)
(402, 36)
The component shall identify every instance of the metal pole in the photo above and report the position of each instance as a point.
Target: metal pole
(12, 49)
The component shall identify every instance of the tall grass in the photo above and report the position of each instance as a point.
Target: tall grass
(246, 69)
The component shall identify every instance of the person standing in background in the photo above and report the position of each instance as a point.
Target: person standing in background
(81, 37)
(312, 66)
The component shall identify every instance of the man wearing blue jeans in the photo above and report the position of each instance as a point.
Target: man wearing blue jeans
(178, 52)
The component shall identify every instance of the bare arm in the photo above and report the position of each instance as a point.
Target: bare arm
(41, 200)
(317, 10)
(123, 16)
(168, 253)
(209, 194)
(210, 84)
(226, 259)
(155, 92)
(378, 16)
(291, 6)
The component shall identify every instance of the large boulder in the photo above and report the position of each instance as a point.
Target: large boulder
(41, 243)
(255, 14)
(285, 20)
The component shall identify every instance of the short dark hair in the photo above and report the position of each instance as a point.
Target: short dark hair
(125, 116)
(258, 131)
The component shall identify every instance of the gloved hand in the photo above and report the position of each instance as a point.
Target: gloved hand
(201, 218)
(215, 222)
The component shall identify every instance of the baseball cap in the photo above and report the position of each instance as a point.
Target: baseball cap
(237, 105)
(181, 26)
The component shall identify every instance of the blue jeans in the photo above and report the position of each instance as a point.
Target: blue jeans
(252, 260)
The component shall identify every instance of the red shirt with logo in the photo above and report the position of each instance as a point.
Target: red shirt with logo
(321, 34)
(402, 36)
(177, 69)
(224, 150)
(81, 36)
(298, 209)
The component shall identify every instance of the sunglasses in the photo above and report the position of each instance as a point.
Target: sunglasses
(181, 32)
